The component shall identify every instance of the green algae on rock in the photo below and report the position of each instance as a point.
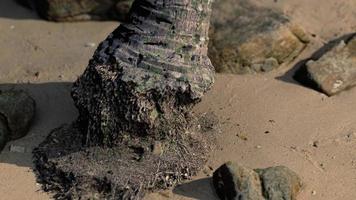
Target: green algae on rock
(248, 39)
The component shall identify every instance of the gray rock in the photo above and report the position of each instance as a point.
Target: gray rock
(4, 132)
(247, 39)
(18, 110)
(335, 71)
(234, 182)
(279, 183)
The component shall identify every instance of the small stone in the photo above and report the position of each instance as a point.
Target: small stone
(233, 182)
(90, 44)
(269, 64)
(258, 147)
(313, 192)
(17, 149)
(12, 27)
(316, 144)
(279, 183)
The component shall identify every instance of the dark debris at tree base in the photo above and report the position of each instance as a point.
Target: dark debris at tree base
(72, 171)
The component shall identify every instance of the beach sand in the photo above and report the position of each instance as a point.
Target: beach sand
(266, 119)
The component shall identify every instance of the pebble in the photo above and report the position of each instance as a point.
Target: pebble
(313, 192)
(316, 144)
(90, 44)
(36, 74)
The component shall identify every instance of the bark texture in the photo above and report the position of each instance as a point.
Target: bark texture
(148, 73)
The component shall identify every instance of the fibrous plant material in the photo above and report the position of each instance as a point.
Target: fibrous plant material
(72, 171)
(135, 130)
(147, 73)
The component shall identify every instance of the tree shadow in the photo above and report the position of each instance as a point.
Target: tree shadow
(54, 107)
(13, 10)
(298, 73)
(201, 189)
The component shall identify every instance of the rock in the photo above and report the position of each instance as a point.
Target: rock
(122, 9)
(4, 132)
(80, 10)
(279, 183)
(248, 39)
(234, 182)
(18, 110)
(335, 71)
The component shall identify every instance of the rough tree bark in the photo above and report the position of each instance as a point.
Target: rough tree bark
(148, 73)
(134, 101)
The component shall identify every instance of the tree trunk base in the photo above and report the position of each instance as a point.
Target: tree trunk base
(126, 171)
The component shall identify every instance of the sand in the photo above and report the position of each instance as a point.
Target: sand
(266, 119)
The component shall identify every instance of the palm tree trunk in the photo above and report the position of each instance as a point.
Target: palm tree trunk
(146, 76)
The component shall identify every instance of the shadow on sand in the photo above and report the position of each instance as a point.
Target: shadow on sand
(11, 9)
(201, 189)
(54, 107)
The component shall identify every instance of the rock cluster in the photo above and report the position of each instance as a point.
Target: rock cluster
(334, 71)
(245, 38)
(232, 182)
(17, 109)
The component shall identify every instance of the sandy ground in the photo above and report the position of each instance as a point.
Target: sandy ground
(266, 119)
